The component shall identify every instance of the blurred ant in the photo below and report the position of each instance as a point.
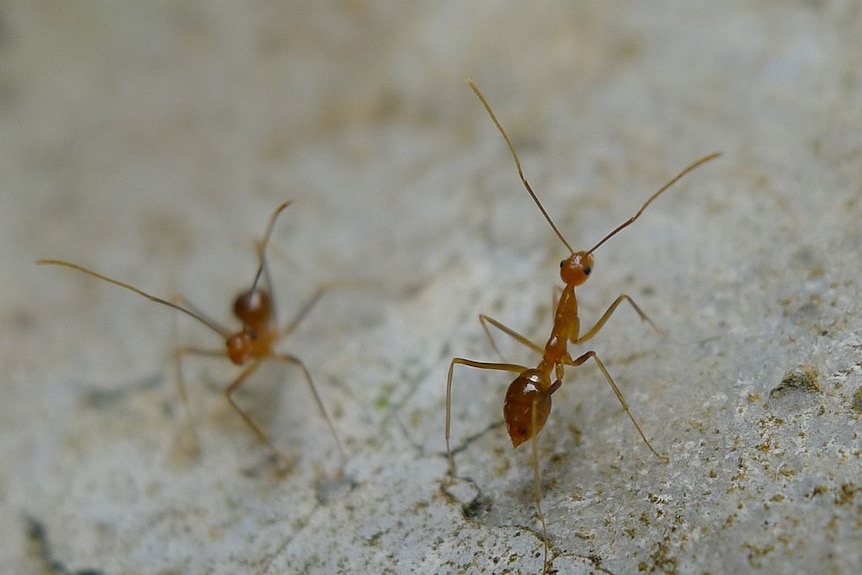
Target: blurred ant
(249, 346)
(528, 398)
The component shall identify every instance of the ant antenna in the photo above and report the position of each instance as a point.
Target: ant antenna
(207, 322)
(262, 245)
(518, 163)
(675, 179)
(538, 203)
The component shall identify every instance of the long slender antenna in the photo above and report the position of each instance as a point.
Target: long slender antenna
(518, 163)
(262, 246)
(207, 322)
(675, 179)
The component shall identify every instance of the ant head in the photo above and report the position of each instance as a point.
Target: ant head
(575, 269)
(253, 307)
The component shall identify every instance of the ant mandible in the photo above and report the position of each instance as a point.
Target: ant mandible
(528, 398)
(249, 346)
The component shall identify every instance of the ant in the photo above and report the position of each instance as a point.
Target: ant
(528, 398)
(249, 346)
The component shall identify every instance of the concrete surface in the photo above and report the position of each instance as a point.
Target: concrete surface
(152, 140)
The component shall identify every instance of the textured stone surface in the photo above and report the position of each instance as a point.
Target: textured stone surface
(152, 141)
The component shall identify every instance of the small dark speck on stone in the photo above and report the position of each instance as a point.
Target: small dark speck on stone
(856, 404)
(331, 489)
(477, 508)
(803, 379)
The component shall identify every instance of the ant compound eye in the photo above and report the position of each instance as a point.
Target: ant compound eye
(562, 263)
(587, 270)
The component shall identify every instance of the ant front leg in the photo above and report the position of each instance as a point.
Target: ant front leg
(508, 331)
(240, 379)
(192, 445)
(600, 324)
(293, 360)
(229, 391)
(591, 354)
(180, 351)
(478, 365)
(188, 441)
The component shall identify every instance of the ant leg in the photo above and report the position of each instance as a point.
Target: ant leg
(218, 353)
(293, 360)
(240, 379)
(508, 331)
(478, 365)
(537, 493)
(303, 311)
(179, 351)
(192, 446)
(591, 354)
(315, 297)
(607, 315)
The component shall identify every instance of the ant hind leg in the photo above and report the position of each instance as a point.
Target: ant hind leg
(591, 354)
(511, 367)
(537, 490)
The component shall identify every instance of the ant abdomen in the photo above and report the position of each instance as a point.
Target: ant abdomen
(528, 404)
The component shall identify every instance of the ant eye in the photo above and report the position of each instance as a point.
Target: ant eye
(562, 263)
(587, 270)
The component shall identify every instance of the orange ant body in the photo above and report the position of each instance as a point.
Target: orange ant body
(528, 397)
(249, 346)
